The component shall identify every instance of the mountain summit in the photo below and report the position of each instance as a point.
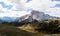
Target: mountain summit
(35, 15)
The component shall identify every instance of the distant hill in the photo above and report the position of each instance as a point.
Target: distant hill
(7, 19)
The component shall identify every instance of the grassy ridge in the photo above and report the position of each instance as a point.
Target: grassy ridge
(46, 27)
(7, 30)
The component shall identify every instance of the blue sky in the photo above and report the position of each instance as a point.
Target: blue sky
(6, 6)
(57, 5)
(28, 1)
(24, 7)
(55, 0)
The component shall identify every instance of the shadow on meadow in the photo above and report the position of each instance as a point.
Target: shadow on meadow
(42, 28)
(7, 30)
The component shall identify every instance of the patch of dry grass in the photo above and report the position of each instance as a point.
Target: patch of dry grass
(7, 30)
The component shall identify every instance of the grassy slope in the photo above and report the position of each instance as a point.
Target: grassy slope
(7, 30)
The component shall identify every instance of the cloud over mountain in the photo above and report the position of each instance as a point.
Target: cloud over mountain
(47, 6)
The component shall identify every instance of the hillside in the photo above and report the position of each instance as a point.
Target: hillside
(7, 30)
(42, 28)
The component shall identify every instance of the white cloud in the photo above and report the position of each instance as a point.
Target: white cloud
(40, 5)
(18, 4)
(13, 14)
(10, 12)
(45, 6)
(54, 11)
(5, 1)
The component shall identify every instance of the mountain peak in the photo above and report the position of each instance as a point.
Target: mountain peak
(34, 15)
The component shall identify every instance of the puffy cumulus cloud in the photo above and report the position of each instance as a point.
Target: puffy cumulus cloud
(35, 4)
(13, 14)
(4, 12)
(18, 4)
(40, 4)
(46, 6)
(6, 1)
(53, 12)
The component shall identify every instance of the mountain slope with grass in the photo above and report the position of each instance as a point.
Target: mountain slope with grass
(7, 30)
(31, 29)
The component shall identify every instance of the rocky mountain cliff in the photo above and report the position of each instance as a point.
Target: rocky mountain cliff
(35, 15)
